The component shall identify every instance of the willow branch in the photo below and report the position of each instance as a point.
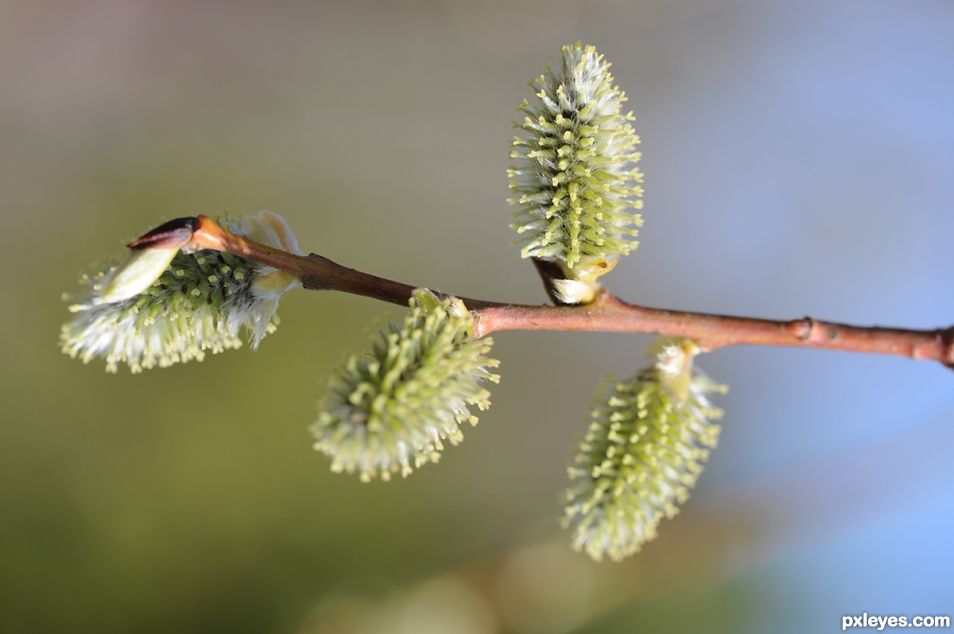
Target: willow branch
(607, 314)
(610, 314)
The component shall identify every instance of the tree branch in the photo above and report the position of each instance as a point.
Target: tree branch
(607, 314)
(610, 314)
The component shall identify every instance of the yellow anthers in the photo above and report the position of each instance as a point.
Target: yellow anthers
(392, 410)
(646, 445)
(576, 182)
(162, 306)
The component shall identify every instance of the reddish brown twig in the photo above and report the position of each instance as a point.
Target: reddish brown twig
(606, 314)
(610, 314)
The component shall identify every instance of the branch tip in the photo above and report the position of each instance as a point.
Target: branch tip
(947, 342)
(174, 234)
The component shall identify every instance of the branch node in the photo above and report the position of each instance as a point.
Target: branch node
(804, 328)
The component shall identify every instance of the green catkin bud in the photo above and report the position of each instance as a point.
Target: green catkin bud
(200, 302)
(575, 181)
(392, 410)
(645, 447)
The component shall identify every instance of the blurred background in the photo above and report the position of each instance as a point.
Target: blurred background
(798, 159)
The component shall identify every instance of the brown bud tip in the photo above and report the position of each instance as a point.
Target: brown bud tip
(549, 272)
(170, 235)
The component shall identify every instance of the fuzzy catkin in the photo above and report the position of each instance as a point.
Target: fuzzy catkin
(646, 444)
(391, 410)
(202, 302)
(576, 184)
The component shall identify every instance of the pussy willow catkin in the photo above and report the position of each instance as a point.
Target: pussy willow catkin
(575, 180)
(393, 409)
(161, 307)
(646, 444)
